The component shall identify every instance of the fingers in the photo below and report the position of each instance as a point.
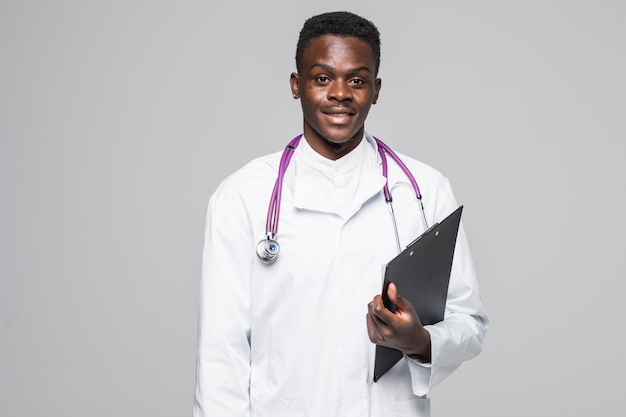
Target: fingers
(377, 309)
(374, 329)
(379, 320)
(400, 329)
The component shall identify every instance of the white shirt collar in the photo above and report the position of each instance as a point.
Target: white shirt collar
(342, 165)
(340, 186)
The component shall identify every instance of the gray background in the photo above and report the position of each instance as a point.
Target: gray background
(119, 118)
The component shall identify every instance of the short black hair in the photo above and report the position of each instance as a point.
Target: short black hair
(341, 24)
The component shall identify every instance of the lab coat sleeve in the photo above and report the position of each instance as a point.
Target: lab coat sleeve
(459, 337)
(223, 354)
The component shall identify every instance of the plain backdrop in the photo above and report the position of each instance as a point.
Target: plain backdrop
(119, 118)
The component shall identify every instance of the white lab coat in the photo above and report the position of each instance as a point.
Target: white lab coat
(289, 339)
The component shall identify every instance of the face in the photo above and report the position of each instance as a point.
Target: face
(337, 86)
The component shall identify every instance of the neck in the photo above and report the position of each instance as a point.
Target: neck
(330, 149)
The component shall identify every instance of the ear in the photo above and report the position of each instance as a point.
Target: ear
(293, 81)
(377, 85)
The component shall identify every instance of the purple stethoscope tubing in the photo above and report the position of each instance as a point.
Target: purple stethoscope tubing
(268, 248)
(383, 149)
(273, 212)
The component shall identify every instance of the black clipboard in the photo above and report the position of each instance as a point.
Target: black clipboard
(421, 272)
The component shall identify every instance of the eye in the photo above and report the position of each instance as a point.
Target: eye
(322, 79)
(357, 81)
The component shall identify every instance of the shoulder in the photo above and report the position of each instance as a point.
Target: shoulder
(256, 170)
(254, 178)
(426, 176)
(438, 198)
(422, 169)
(418, 168)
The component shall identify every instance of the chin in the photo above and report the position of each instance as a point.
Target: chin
(340, 139)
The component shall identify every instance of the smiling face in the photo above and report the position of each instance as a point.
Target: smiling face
(337, 86)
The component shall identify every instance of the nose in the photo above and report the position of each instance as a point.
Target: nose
(339, 91)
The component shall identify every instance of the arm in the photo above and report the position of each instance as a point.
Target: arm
(223, 355)
(459, 337)
(433, 352)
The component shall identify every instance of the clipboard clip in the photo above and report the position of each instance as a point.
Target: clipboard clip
(420, 236)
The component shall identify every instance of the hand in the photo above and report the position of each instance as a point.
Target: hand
(401, 330)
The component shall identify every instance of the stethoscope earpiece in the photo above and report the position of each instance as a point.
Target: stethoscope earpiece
(268, 249)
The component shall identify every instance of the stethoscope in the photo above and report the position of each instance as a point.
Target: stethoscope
(268, 248)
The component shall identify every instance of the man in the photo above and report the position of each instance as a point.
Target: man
(297, 337)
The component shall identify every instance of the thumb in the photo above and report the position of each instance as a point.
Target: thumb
(392, 293)
(395, 298)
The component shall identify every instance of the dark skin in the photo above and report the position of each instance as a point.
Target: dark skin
(401, 329)
(337, 86)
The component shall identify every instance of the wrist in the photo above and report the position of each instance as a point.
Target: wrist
(423, 352)
(418, 358)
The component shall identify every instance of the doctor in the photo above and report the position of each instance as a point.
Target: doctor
(296, 337)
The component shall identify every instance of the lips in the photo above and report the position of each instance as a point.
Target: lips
(339, 111)
(339, 115)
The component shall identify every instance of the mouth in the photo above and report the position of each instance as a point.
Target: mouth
(339, 115)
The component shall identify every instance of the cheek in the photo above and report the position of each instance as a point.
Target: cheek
(309, 107)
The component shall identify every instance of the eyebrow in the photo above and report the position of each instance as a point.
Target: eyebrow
(329, 68)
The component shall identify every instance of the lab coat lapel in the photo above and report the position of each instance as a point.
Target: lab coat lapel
(371, 184)
(306, 195)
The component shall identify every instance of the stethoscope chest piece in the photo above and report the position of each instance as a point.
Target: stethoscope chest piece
(268, 249)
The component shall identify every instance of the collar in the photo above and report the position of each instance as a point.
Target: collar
(310, 170)
(313, 160)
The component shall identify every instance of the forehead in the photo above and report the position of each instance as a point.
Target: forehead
(337, 50)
